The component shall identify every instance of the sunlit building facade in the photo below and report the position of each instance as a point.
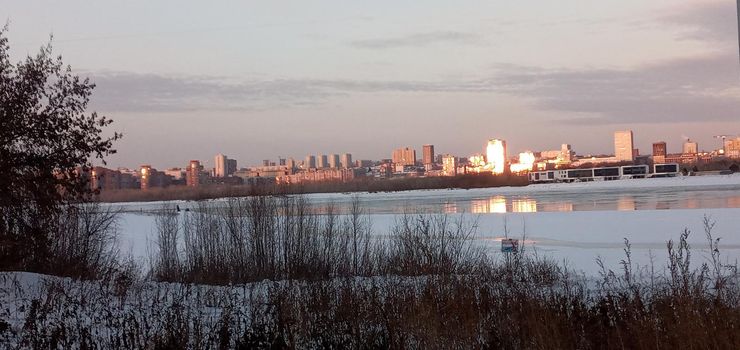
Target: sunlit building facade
(428, 155)
(404, 156)
(690, 147)
(290, 163)
(496, 156)
(220, 162)
(103, 179)
(150, 178)
(310, 162)
(347, 161)
(194, 173)
(320, 175)
(624, 146)
(449, 165)
(526, 163)
(322, 161)
(334, 161)
(660, 151)
(732, 148)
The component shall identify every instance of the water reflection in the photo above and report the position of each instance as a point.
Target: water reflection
(554, 202)
(692, 203)
(733, 202)
(620, 202)
(626, 203)
(500, 204)
(524, 206)
(557, 206)
(495, 204)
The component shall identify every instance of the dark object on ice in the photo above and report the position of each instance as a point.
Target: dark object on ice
(509, 245)
(178, 208)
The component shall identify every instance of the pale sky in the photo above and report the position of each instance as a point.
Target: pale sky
(255, 80)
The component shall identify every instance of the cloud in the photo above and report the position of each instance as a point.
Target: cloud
(690, 89)
(417, 40)
(702, 88)
(132, 92)
(711, 20)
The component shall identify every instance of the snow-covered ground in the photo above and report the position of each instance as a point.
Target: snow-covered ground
(576, 237)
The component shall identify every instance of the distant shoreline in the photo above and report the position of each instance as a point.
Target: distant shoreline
(206, 192)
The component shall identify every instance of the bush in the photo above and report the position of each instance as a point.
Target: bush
(48, 141)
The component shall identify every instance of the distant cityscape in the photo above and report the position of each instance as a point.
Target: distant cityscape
(493, 159)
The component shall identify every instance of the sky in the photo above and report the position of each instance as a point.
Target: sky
(266, 79)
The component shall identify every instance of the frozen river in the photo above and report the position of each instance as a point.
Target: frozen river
(708, 192)
(540, 198)
(575, 223)
(701, 192)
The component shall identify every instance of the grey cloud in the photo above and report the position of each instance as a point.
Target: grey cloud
(122, 91)
(131, 92)
(417, 40)
(712, 20)
(694, 89)
(701, 88)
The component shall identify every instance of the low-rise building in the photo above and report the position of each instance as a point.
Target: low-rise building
(321, 175)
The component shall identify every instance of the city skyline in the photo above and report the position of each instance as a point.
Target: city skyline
(562, 164)
(409, 151)
(275, 80)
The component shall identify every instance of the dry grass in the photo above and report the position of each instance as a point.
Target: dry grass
(325, 282)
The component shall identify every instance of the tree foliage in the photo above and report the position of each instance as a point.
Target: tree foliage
(48, 141)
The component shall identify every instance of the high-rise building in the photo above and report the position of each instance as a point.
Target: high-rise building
(690, 147)
(290, 163)
(449, 165)
(496, 156)
(732, 147)
(220, 165)
(428, 154)
(347, 161)
(150, 177)
(193, 173)
(660, 150)
(107, 179)
(145, 178)
(281, 161)
(230, 167)
(310, 162)
(322, 161)
(404, 156)
(566, 153)
(334, 161)
(265, 162)
(624, 145)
